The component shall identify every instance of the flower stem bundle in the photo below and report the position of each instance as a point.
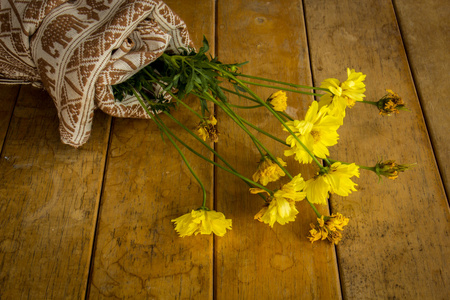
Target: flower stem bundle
(308, 139)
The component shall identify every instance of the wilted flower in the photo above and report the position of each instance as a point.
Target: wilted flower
(334, 179)
(202, 221)
(390, 169)
(317, 132)
(268, 170)
(390, 103)
(207, 129)
(278, 101)
(329, 229)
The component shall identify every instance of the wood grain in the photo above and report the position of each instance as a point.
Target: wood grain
(48, 203)
(425, 30)
(138, 254)
(254, 261)
(9, 96)
(397, 243)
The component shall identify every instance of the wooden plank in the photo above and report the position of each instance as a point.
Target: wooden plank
(48, 203)
(397, 243)
(138, 254)
(425, 27)
(9, 96)
(254, 261)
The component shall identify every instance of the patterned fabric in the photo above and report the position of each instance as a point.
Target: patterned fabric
(77, 49)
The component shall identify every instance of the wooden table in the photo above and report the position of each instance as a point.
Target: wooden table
(95, 222)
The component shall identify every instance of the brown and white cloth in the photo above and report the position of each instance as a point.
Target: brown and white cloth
(77, 49)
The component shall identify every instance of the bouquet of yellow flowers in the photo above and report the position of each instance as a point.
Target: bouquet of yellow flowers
(133, 59)
(195, 73)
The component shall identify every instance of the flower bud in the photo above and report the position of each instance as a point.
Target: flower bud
(390, 169)
(390, 103)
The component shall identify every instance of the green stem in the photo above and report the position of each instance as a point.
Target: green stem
(207, 146)
(213, 162)
(281, 82)
(239, 94)
(359, 166)
(263, 132)
(369, 102)
(245, 107)
(238, 122)
(234, 117)
(163, 128)
(279, 119)
(173, 96)
(315, 209)
(203, 143)
(284, 114)
(189, 108)
(194, 135)
(281, 88)
(327, 161)
(174, 144)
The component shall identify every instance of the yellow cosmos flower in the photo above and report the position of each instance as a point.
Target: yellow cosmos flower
(353, 88)
(268, 170)
(329, 229)
(278, 101)
(336, 181)
(281, 208)
(203, 222)
(293, 190)
(343, 94)
(317, 132)
(207, 129)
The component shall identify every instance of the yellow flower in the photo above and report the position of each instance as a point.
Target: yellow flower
(329, 229)
(343, 94)
(353, 88)
(207, 129)
(390, 103)
(202, 132)
(268, 170)
(278, 101)
(317, 132)
(263, 210)
(317, 190)
(203, 222)
(293, 190)
(337, 222)
(335, 180)
(281, 208)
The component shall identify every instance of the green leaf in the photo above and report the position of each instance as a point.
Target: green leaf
(203, 106)
(203, 49)
(190, 84)
(238, 88)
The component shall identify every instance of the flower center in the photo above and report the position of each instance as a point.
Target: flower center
(316, 135)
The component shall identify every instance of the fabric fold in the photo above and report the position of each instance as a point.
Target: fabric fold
(77, 49)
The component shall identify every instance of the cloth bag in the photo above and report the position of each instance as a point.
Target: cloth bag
(77, 49)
